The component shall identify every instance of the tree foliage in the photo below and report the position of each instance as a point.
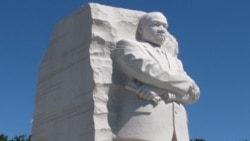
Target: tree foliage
(197, 139)
(16, 138)
(3, 137)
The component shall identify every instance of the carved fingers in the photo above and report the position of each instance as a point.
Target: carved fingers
(194, 91)
(148, 93)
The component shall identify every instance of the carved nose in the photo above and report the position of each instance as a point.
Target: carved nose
(161, 30)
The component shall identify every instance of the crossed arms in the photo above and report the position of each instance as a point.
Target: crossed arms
(155, 82)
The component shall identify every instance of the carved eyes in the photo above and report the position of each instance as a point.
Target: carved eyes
(158, 24)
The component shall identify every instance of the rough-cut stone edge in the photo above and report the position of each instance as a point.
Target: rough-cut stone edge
(104, 37)
(95, 39)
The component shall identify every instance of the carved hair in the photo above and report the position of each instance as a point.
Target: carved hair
(146, 17)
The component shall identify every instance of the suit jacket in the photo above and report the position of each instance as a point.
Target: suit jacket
(141, 120)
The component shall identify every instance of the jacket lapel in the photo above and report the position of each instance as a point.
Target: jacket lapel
(158, 56)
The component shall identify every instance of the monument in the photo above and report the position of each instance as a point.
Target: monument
(112, 74)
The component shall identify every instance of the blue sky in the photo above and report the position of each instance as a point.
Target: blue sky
(214, 40)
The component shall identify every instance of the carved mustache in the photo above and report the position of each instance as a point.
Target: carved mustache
(161, 36)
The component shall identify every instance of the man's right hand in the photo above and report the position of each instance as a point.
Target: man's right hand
(149, 93)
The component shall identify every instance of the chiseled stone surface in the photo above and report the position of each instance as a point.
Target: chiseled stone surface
(75, 86)
(112, 74)
(157, 86)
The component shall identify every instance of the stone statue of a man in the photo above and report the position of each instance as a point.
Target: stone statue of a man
(156, 86)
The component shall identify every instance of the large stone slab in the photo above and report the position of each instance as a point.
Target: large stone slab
(75, 98)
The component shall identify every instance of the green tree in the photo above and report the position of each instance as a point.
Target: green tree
(21, 138)
(29, 138)
(3, 137)
(197, 139)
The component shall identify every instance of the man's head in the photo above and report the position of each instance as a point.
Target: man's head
(153, 27)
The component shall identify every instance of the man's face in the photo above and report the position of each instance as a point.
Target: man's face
(154, 28)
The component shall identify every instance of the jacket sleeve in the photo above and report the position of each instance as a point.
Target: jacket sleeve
(135, 63)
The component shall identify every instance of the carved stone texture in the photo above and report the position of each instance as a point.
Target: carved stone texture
(74, 99)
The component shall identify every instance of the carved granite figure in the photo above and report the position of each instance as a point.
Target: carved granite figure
(92, 88)
(156, 86)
